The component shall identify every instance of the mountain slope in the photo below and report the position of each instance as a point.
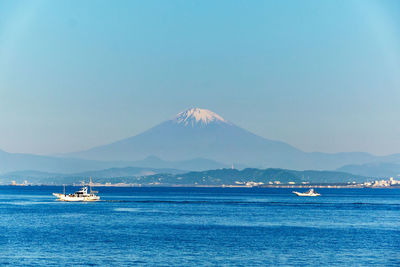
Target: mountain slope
(197, 164)
(16, 162)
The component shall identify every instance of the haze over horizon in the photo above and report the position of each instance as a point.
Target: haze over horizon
(320, 76)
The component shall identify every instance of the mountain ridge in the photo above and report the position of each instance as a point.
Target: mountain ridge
(201, 133)
(376, 169)
(10, 162)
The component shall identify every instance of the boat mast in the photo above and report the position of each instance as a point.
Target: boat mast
(64, 189)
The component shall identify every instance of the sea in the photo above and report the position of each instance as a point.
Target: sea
(160, 226)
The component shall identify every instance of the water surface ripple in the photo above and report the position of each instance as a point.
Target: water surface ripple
(200, 226)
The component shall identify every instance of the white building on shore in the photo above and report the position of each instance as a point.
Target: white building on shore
(383, 183)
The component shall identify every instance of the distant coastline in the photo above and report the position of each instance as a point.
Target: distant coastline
(338, 186)
(247, 178)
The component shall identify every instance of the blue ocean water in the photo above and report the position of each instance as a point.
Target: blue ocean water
(200, 226)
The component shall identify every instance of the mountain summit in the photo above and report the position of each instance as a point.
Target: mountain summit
(198, 117)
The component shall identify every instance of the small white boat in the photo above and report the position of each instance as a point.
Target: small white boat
(81, 195)
(309, 193)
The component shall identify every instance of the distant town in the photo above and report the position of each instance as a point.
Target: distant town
(388, 183)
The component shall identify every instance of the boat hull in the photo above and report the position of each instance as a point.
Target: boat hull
(62, 197)
(306, 194)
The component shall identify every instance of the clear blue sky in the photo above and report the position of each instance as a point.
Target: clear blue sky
(320, 75)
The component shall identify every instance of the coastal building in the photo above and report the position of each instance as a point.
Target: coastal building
(382, 183)
(25, 183)
(251, 183)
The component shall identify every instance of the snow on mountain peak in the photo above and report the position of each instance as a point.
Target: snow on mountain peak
(200, 116)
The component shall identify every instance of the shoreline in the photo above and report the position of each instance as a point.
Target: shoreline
(337, 186)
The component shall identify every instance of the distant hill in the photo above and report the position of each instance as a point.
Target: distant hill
(231, 176)
(376, 169)
(37, 177)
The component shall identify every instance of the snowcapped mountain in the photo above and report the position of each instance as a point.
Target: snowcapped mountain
(194, 133)
(197, 117)
(201, 133)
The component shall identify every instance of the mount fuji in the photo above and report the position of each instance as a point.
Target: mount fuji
(201, 133)
(194, 133)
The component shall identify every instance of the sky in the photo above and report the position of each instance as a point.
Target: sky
(319, 75)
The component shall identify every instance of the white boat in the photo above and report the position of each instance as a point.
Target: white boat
(309, 193)
(81, 195)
